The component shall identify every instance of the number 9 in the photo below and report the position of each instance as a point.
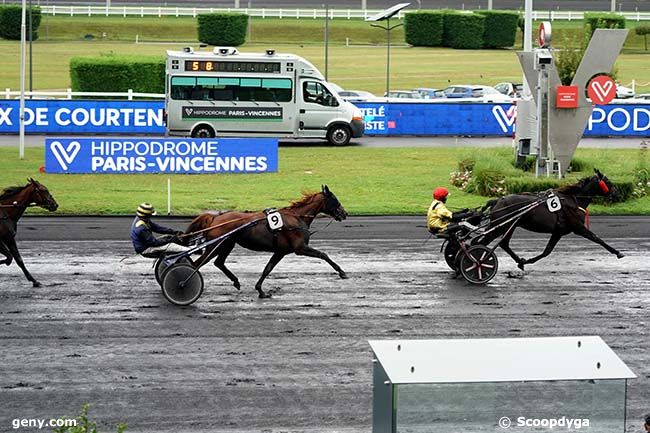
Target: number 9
(274, 218)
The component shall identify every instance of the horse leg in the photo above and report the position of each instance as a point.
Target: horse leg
(224, 251)
(552, 242)
(505, 246)
(13, 249)
(5, 252)
(588, 234)
(275, 259)
(308, 251)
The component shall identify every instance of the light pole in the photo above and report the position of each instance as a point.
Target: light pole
(327, 20)
(386, 16)
(23, 30)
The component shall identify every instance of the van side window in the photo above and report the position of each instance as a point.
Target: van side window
(315, 93)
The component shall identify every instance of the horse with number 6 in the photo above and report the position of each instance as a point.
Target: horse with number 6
(565, 212)
(281, 232)
(13, 203)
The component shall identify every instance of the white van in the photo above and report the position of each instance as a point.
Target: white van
(227, 93)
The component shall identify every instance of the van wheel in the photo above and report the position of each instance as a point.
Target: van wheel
(203, 131)
(339, 135)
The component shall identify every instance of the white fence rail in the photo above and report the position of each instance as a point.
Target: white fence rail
(305, 13)
(69, 94)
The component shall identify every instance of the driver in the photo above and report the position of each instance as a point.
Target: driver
(439, 218)
(145, 243)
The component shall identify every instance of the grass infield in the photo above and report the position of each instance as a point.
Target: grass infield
(368, 181)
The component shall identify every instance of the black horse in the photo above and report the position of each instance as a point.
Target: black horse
(570, 218)
(13, 203)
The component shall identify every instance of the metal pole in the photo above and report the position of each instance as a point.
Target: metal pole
(388, 56)
(327, 19)
(489, 5)
(236, 4)
(30, 50)
(23, 31)
(613, 6)
(364, 5)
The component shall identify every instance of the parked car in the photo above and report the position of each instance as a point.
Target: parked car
(514, 90)
(623, 92)
(485, 93)
(404, 94)
(645, 96)
(356, 95)
(428, 93)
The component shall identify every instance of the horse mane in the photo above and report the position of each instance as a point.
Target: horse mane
(307, 197)
(574, 188)
(10, 192)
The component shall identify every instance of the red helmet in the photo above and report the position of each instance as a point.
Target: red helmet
(440, 193)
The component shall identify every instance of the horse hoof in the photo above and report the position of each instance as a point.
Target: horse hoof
(263, 295)
(36, 284)
(236, 285)
(343, 276)
(620, 255)
(520, 265)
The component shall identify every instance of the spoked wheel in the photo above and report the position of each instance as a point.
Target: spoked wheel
(479, 265)
(160, 267)
(451, 253)
(182, 284)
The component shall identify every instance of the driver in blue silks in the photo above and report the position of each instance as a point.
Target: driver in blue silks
(145, 243)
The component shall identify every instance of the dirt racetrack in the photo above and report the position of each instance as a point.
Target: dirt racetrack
(99, 330)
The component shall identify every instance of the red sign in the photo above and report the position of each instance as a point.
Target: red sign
(601, 89)
(545, 34)
(566, 97)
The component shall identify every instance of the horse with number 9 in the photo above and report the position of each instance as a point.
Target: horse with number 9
(292, 237)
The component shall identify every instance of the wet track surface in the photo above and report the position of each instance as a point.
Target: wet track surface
(99, 330)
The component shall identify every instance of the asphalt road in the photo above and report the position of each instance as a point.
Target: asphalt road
(99, 331)
(565, 5)
(411, 141)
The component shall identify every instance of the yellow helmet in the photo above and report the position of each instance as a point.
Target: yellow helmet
(145, 210)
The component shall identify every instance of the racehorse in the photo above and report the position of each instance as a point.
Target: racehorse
(13, 203)
(570, 218)
(293, 237)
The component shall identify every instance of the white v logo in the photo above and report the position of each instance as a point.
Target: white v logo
(65, 156)
(505, 118)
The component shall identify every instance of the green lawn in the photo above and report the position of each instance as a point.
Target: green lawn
(368, 181)
(359, 66)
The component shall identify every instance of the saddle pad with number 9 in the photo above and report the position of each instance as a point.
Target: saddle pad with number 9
(274, 221)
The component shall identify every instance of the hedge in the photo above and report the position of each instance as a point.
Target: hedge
(423, 28)
(111, 73)
(10, 21)
(464, 31)
(601, 20)
(643, 30)
(222, 29)
(500, 28)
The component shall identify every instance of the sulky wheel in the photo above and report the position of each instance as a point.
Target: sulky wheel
(160, 267)
(451, 253)
(182, 284)
(479, 265)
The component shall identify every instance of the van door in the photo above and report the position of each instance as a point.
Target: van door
(317, 107)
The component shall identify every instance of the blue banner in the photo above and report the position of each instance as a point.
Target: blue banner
(145, 155)
(459, 119)
(75, 117)
(84, 117)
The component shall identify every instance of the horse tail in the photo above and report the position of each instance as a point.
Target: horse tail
(200, 222)
(489, 204)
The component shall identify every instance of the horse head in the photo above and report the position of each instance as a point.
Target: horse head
(41, 196)
(604, 187)
(332, 206)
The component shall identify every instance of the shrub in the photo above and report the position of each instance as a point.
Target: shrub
(111, 73)
(464, 31)
(567, 61)
(500, 28)
(601, 20)
(423, 28)
(223, 29)
(84, 425)
(644, 31)
(10, 21)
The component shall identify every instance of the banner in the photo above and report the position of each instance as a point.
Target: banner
(477, 119)
(145, 155)
(427, 118)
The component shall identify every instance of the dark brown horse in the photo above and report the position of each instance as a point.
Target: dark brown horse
(293, 237)
(574, 200)
(13, 203)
